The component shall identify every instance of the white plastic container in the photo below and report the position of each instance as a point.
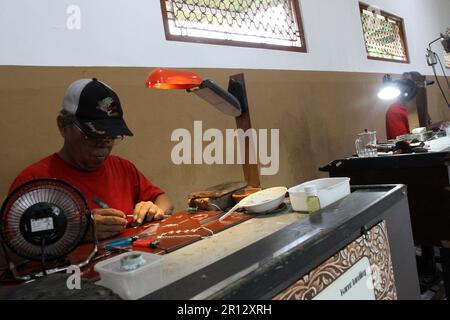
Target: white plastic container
(131, 284)
(329, 190)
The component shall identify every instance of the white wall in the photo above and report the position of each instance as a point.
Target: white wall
(130, 33)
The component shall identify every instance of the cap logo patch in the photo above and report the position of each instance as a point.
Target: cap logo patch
(107, 105)
(94, 129)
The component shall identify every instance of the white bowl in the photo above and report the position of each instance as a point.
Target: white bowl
(264, 201)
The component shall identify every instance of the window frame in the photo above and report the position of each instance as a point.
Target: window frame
(400, 20)
(234, 43)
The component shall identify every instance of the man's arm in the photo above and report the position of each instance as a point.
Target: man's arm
(164, 203)
(152, 202)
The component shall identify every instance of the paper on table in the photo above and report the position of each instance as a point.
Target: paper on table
(438, 145)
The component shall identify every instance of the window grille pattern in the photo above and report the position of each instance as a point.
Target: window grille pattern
(273, 24)
(384, 35)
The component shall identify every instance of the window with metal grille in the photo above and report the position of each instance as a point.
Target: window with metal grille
(384, 35)
(271, 24)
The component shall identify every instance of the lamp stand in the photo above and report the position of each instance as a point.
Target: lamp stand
(421, 102)
(236, 87)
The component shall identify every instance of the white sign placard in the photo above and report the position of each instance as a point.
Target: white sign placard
(355, 284)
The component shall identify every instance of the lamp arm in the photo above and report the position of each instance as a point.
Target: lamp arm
(237, 89)
(436, 40)
(431, 55)
(432, 60)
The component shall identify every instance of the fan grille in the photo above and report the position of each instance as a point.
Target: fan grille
(52, 191)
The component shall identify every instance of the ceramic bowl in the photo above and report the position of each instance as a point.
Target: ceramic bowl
(265, 200)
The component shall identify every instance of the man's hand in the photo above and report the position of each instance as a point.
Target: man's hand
(108, 222)
(147, 210)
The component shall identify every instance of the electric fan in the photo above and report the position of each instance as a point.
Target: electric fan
(44, 220)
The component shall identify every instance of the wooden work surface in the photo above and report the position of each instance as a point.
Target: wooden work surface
(257, 258)
(183, 257)
(203, 225)
(189, 259)
(172, 233)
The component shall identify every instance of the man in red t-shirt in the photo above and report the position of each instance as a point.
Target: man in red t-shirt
(397, 114)
(91, 122)
(396, 120)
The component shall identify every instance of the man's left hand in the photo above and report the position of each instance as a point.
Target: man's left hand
(147, 210)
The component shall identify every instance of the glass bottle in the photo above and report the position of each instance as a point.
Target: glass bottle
(312, 199)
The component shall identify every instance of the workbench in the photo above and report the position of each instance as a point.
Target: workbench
(427, 178)
(360, 247)
(267, 257)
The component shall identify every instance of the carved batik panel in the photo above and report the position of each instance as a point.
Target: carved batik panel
(374, 246)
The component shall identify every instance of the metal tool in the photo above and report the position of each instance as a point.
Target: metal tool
(207, 220)
(121, 249)
(104, 205)
(127, 241)
(100, 202)
(236, 207)
(106, 254)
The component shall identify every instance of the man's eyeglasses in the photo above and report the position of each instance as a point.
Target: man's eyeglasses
(98, 140)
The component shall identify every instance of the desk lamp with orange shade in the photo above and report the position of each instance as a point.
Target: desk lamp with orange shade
(232, 102)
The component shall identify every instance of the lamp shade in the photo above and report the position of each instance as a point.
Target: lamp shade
(389, 92)
(404, 89)
(173, 79)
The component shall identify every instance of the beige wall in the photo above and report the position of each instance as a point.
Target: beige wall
(318, 114)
